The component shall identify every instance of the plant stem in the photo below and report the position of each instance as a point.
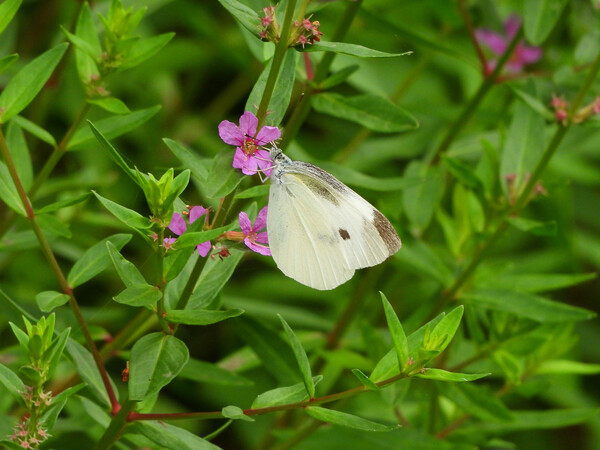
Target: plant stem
(47, 251)
(280, 49)
(117, 424)
(473, 104)
(302, 109)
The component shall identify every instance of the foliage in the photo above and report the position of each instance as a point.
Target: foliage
(130, 315)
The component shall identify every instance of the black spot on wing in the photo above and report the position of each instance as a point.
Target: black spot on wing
(344, 234)
(387, 232)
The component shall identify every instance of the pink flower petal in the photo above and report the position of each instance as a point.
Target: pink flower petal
(528, 55)
(248, 124)
(257, 248)
(230, 133)
(168, 243)
(494, 41)
(245, 223)
(204, 248)
(512, 25)
(239, 158)
(262, 238)
(261, 219)
(264, 161)
(195, 212)
(267, 134)
(250, 166)
(177, 224)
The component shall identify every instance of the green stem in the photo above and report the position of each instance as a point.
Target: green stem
(303, 108)
(280, 49)
(49, 254)
(116, 426)
(473, 104)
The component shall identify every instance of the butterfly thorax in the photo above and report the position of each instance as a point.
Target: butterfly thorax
(279, 163)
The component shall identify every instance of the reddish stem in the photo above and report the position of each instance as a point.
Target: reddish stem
(308, 65)
(469, 24)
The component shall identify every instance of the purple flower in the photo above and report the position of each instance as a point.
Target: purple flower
(248, 155)
(497, 43)
(178, 226)
(252, 238)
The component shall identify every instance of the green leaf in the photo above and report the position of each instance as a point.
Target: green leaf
(17, 147)
(95, 260)
(139, 295)
(30, 80)
(533, 226)
(201, 316)
(540, 17)
(127, 271)
(222, 178)
(87, 370)
(55, 350)
(114, 154)
(86, 31)
(58, 403)
(563, 366)
(338, 77)
(421, 199)
(215, 275)
(270, 348)
(54, 226)
(236, 413)
(346, 420)
(246, 16)
(35, 130)
(476, 400)
(282, 92)
(111, 127)
(532, 102)
(397, 332)
(443, 375)
(125, 215)
(371, 111)
(526, 305)
(8, 191)
(444, 331)
(204, 372)
(355, 178)
(11, 381)
(171, 437)
(8, 9)
(110, 104)
(463, 173)
(7, 61)
(52, 207)
(524, 145)
(587, 48)
(537, 282)
(349, 49)
(178, 185)
(48, 300)
(365, 380)
(198, 166)
(156, 359)
(253, 192)
(301, 357)
(284, 395)
(193, 238)
(81, 44)
(143, 49)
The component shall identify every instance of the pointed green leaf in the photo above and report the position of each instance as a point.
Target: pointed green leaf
(52, 207)
(139, 295)
(87, 370)
(193, 238)
(371, 111)
(114, 154)
(11, 382)
(111, 127)
(527, 305)
(284, 395)
(535, 282)
(563, 366)
(245, 15)
(199, 166)
(156, 359)
(443, 375)
(533, 226)
(82, 44)
(17, 146)
(26, 84)
(110, 104)
(86, 31)
(350, 49)
(531, 101)
(253, 192)
(58, 403)
(476, 400)
(540, 17)
(48, 300)
(222, 178)
(236, 413)
(365, 380)
(397, 332)
(421, 199)
(171, 437)
(143, 49)
(127, 271)
(8, 191)
(8, 9)
(7, 61)
(125, 215)
(346, 420)
(95, 260)
(338, 77)
(444, 331)
(301, 357)
(463, 173)
(201, 316)
(204, 372)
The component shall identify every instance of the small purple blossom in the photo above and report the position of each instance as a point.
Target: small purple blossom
(252, 238)
(522, 56)
(248, 155)
(178, 226)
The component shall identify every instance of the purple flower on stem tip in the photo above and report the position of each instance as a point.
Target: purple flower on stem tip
(497, 43)
(252, 238)
(178, 226)
(248, 155)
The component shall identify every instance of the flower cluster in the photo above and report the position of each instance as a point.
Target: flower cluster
(301, 33)
(251, 235)
(178, 226)
(249, 156)
(560, 106)
(28, 433)
(522, 56)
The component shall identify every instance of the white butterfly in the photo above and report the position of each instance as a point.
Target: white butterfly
(320, 230)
